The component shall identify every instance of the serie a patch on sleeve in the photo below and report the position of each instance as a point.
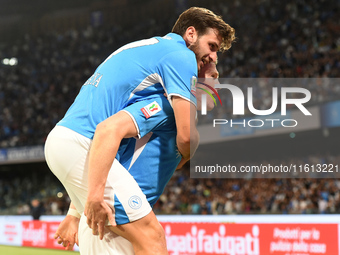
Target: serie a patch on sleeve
(193, 83)
(151, 109)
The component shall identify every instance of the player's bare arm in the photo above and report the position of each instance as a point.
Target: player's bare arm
(106, 141)
(187, 134)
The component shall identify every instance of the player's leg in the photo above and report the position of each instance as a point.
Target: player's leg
(112, 243)
(67, 156)
(136, 221)
(146, 235)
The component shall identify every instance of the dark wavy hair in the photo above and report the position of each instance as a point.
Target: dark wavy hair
(201, 19)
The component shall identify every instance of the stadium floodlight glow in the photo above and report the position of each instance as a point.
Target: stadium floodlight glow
(13, 61)
(10, 61)
(5, 61)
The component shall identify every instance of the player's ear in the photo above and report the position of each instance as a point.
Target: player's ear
(190, 35)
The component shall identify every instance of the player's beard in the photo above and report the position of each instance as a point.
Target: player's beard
(195, 48)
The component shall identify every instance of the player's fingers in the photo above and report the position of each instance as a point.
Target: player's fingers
(56, 235)
(70, 246)
(59, 240)
(76, 239)
(101, 226)
(65, 243)
(112, 219)
(89, 222)
(94, 227)
(110, 215)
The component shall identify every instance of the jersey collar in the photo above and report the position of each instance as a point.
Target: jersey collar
(176, 37)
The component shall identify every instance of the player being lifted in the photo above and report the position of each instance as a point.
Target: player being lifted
(96, 182)
(152, 168)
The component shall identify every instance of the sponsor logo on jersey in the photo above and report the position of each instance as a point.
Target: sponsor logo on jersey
(135, 202)
(151, 109)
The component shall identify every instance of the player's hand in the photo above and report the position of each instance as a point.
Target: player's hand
(97, 212)
(67, 232)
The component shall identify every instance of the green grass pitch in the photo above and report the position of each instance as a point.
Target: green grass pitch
(12, 250)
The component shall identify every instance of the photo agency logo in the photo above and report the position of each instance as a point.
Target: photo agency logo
(204, 87)
(275, 115)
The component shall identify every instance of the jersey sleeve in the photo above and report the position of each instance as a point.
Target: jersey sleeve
(179, 70)
(150, 114)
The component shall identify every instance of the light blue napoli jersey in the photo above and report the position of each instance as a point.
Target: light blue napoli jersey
(153, 158)
(133, 72)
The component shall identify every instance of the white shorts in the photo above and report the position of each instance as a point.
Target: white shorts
(67, 155)
(112, 243)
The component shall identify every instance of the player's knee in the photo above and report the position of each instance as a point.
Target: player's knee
(158, 231)
(145, 234)
(155, 233)
(156, 242)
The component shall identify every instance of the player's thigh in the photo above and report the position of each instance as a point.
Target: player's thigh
(123, 193)
(145, 231)
(66, 154)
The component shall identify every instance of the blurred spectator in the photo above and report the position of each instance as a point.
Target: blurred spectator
(37, 209)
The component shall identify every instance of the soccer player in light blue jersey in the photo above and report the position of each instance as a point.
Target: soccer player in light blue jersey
(82, 148)
(151, 160)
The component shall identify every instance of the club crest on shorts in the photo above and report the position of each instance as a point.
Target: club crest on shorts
(151, 109)
(135, 202)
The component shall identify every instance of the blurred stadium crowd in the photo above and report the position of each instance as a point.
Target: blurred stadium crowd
(275, 39)
(185, 195)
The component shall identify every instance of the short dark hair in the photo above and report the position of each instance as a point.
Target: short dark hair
(201, 19)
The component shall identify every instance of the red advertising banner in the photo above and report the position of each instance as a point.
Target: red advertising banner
(251, 239)
(201, 238)
(40, 234)
(300, 239)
